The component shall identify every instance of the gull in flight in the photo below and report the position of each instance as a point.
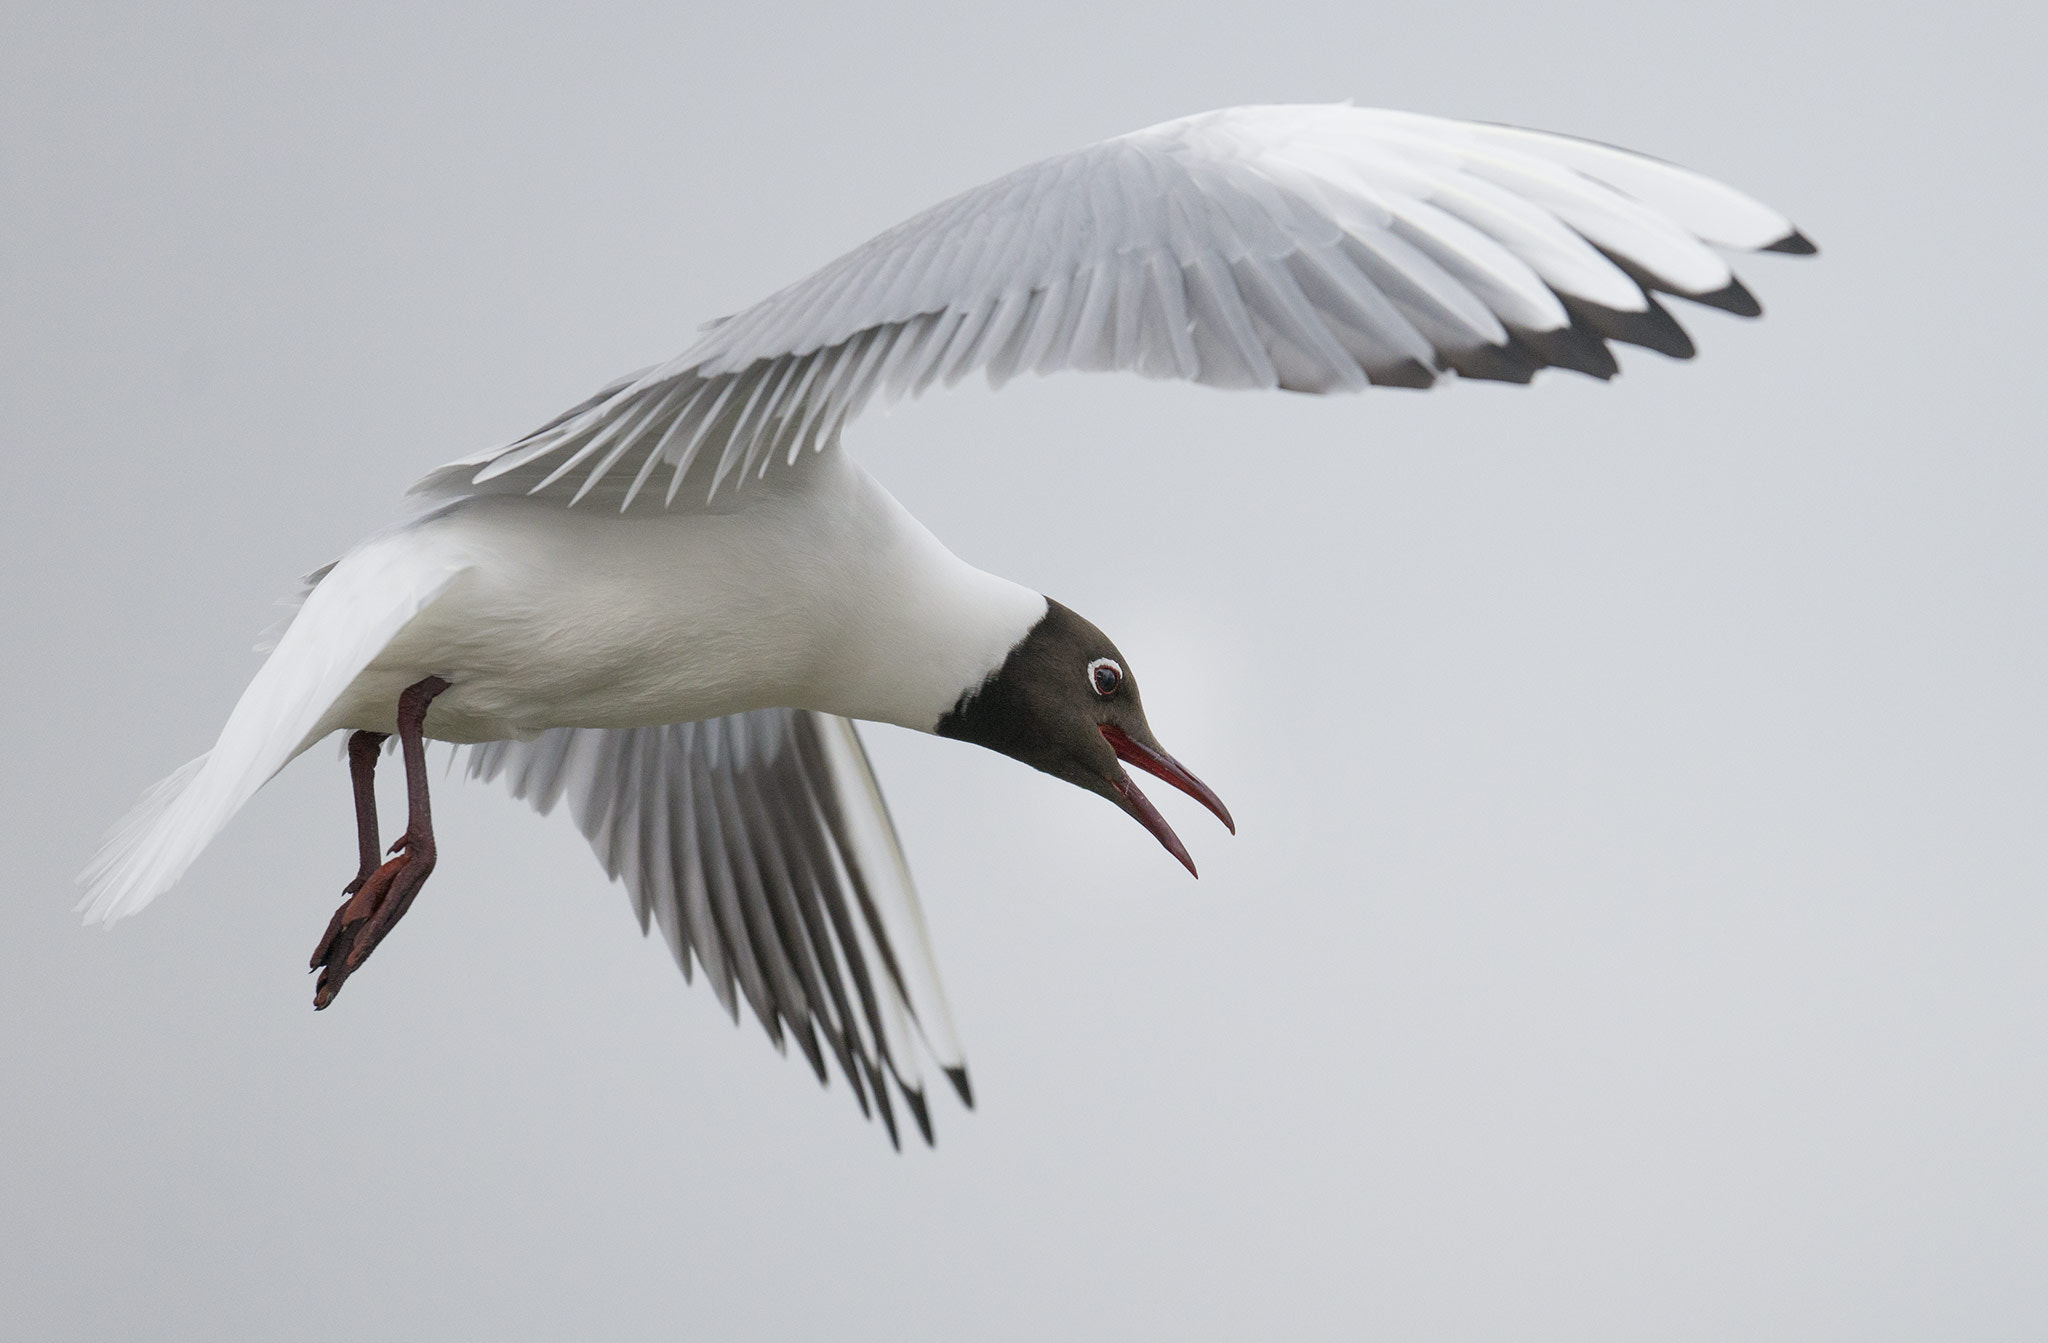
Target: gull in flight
(667, 605)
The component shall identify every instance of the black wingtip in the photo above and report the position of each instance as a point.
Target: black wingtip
(882, 1106)
(1509, 362)
(1409, 373)
(920, 1112)
(857, 1085)
(807, 1041)
(1570, 347)
(961, 1087)
(1794, 243)
(1652, 328)
(1731, 297)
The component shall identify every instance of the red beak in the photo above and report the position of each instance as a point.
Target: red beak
(1161, 765)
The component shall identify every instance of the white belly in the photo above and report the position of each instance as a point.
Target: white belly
(821, 592)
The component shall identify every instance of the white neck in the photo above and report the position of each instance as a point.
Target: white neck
(921, 627)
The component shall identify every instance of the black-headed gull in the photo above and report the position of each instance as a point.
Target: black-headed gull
(667, 604)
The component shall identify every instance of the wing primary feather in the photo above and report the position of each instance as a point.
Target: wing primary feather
(747, 957)
(779, 882)
(1313, 247)
(1575, 347)
(1320, 364)
(1712, 210)
(1507, 287)
(760, 846)
(936, 1027)
(809, 869)
(1733, 297)
(827, 801)
(1794, 243)
(669, 914)
(1220, 313)
(914, 1101)
(822, 800)
(1611, 221)
(1561, 258)
(1653, 328)
(1005, 358)
(880, 1085)
(757, 910)
(1048, 315)
(1343, 296)
(1088, 341)
(625, 821)
(716, 951)
(659, 865)
(1171, 286)
(1418, 323)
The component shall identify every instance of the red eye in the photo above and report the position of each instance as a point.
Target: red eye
(1105, 676)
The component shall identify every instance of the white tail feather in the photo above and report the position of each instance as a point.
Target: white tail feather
(347, 620)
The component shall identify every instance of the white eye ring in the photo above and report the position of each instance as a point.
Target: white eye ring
(1104, 676)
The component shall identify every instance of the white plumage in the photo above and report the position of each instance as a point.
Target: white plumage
(1311, 248)
(728, 832)
(679, 655)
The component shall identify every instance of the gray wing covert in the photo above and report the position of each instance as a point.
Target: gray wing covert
(760, 846)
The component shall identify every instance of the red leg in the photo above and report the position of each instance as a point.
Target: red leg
(362, 770)
(380, 895)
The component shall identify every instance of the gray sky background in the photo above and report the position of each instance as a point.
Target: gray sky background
(1637, 927)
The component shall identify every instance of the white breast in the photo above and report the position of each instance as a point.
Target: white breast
(820, 591)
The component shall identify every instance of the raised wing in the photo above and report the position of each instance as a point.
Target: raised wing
(760, 845)
(1316, 249)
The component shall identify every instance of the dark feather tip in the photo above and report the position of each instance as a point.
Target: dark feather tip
(887, 1112)
(1652, 328)
(808, 1042)
(1412, 373)
(1495, 363)
(958, 1077)
(1571, 347)
(920, 1112)
(1731, 297)
(1794, 243)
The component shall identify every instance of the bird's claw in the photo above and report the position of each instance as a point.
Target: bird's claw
(376, 902)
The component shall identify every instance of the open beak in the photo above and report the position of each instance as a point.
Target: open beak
(1159, 764)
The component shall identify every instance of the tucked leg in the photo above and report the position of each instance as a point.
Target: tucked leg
(381, 894)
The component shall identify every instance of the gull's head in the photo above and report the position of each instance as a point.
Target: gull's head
(1064, 701)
